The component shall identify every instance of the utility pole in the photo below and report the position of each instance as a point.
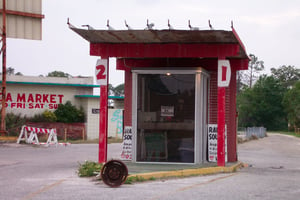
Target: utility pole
(3, 50)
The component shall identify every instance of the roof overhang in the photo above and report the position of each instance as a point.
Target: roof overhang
(219, 44)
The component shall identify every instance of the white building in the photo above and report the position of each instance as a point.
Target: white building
(30, 95)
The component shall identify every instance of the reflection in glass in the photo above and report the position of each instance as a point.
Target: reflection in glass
(166, 113)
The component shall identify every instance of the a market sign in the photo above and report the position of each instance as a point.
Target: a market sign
(33, 101)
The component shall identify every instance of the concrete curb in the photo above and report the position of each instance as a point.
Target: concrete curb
(4, 139)
(188, 172)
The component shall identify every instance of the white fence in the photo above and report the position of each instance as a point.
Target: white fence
(248, 132)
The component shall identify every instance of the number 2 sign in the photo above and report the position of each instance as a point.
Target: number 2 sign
(101, 71)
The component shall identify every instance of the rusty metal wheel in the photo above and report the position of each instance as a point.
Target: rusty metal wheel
(114, 173)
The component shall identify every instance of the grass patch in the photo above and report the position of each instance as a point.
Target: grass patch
(133, 179)
(110, 140)
(89, 168)
(287, 133)
(8, 139)
(95, 141)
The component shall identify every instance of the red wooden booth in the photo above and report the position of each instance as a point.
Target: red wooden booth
(180, 88)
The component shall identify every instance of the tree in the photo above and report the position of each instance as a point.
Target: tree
(287, 75)
(10, 71)
(119, 90)
(67, 113)
(18, 74)
(247, 78)
(58, 74)
(291, 103)
(116, 91)
(261, 105)
(111, 90)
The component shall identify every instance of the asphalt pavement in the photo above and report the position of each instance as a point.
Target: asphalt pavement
(28, 172)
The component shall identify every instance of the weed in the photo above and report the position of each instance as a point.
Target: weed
(132, 179)
(89, 168)
(290, 133)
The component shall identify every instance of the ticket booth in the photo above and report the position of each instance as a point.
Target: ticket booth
(171, 88)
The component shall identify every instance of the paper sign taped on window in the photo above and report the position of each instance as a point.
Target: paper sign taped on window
(167, 111)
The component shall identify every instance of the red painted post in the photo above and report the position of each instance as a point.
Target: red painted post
(103, 121)
(224, 75)
(221, 127)
(103, 124)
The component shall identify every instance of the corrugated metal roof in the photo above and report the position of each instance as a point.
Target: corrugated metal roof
(157, 36)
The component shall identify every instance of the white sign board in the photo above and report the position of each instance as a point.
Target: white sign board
(23, 19)
(224, 73)
(127, 143)
(213, 143)
(167, 111)
(101, 71)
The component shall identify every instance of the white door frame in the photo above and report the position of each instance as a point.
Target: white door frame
(201, 103)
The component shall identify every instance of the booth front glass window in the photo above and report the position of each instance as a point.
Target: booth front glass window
(166, 118)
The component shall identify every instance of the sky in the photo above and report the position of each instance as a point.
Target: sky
(269, 29)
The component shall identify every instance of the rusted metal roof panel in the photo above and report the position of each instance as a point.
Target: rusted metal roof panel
(156, 36)
(183, 37)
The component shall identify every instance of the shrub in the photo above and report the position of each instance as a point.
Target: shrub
(37, 118)
(13, 123)
(67, 113)
(46, 116)
(49, 116)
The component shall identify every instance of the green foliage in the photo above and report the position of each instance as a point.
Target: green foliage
(247, 78)
(37, 118)
(89, 168)
(287, 75)
(10, 71)
(67, 113)
(291, 102)
(46, 116)
(14, 123)
(261, 105)
(116, 91)
(58, 74)
(18, 74)
(119, 90)
(49, 116)
(289, 133)
(111, 90)
(132, 179)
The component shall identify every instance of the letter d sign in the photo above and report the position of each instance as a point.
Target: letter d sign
(224, 73)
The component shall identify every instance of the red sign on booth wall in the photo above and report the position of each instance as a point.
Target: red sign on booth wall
(101, 71)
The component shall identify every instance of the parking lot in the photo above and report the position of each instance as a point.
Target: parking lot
(30, 172)
(27, 170)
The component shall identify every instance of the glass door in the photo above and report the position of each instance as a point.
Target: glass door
(165, 124)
